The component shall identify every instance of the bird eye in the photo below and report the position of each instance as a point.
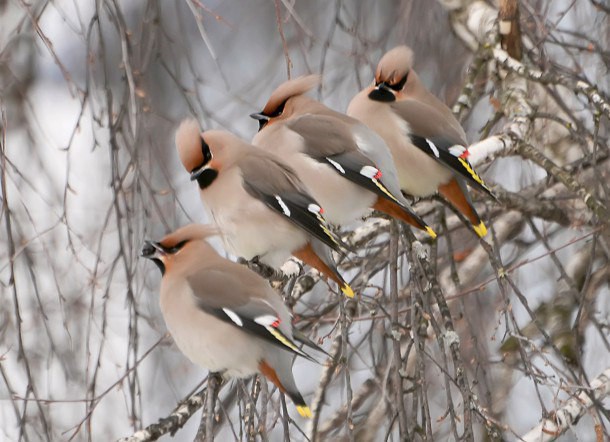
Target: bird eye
(279, 110)
(398, 86)
(207, 157)
(176, 248)
(207, 153)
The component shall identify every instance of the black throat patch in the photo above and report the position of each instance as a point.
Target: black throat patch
(382, 95)
(206, 178)
(160, 265)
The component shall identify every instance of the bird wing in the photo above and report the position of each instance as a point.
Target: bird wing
(441, 137)
(280, 189)
(329, 140)
(233, 300)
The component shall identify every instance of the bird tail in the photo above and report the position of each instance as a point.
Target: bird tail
(287, 387)
(403, 213)
(300, 404)
(456, 193)
(317, 255)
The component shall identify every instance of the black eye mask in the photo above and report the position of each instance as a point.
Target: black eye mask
(398, 86)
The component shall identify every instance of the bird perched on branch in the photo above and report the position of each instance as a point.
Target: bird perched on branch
(427, 142)
(257, 201)
(223, 316)
(345, 165)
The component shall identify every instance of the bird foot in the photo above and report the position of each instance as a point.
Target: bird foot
(256, 265)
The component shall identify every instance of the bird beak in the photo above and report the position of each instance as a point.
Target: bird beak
(262, 119)
(152, 250)
(259, 116)
(383, 93)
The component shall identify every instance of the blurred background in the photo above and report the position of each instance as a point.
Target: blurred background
(91, 93)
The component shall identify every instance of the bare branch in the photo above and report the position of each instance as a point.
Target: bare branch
(565, 417)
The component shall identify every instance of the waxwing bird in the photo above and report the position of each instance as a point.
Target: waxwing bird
(223, 316)
(258, 202)
(427, 142)
(345, 165)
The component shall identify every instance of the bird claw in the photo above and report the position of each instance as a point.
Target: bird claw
(259, 267)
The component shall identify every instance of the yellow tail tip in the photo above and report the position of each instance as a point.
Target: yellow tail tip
(347, 290)
(480, 229)
(304, 411)
(431, 232)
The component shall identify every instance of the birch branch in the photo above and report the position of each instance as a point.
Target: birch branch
(567, 179)
(472, 21)
(170, 424)
(206, 426)
(565, 417)
(595, 97)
